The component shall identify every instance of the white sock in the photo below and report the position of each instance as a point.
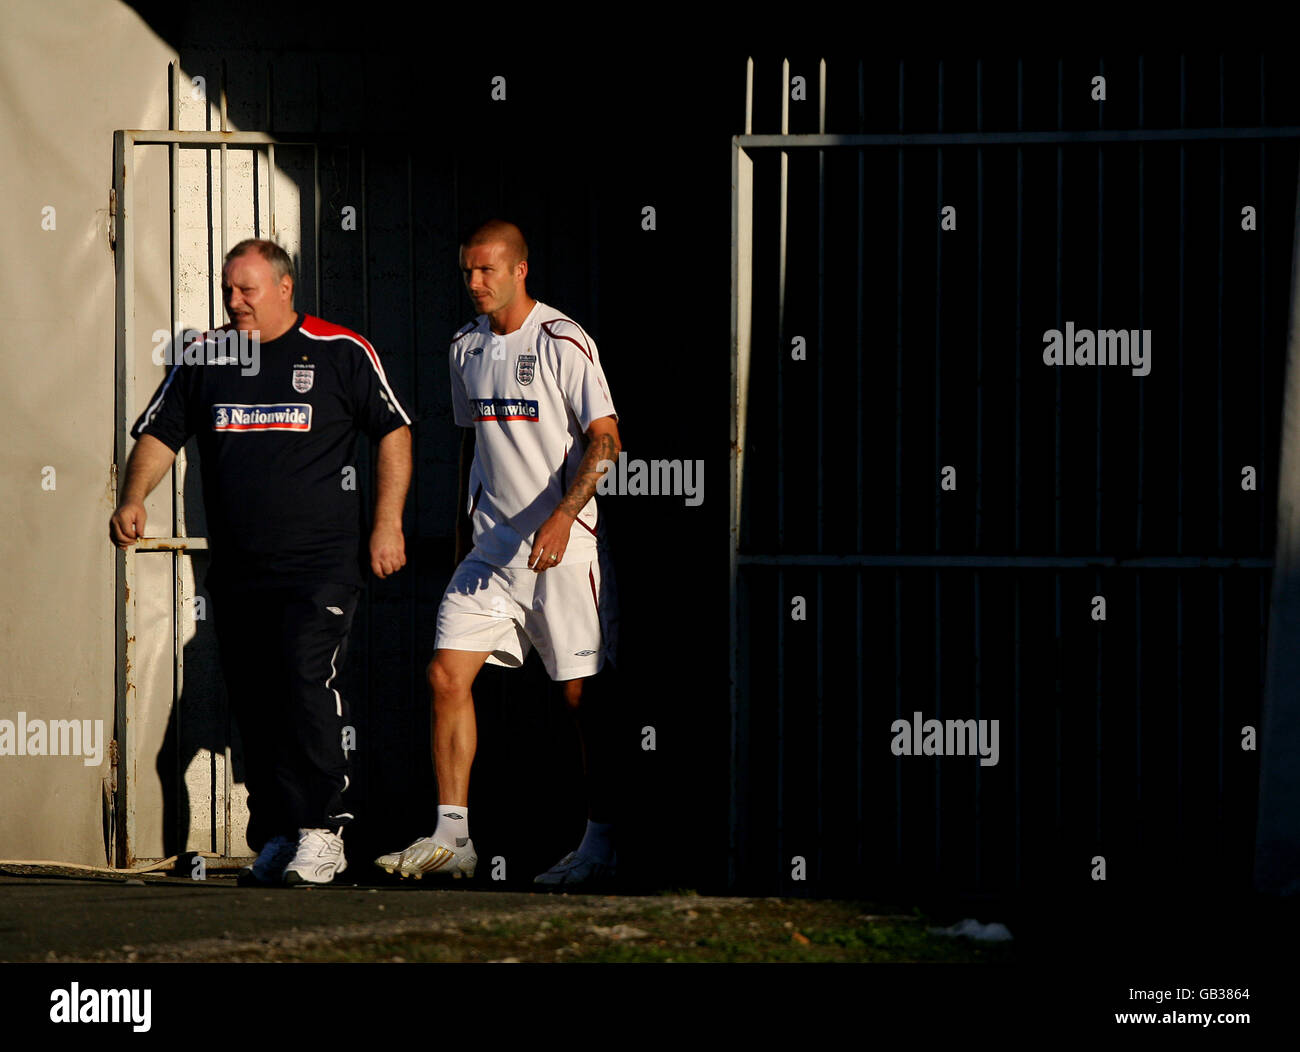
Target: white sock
(453, 825)
(598, 841)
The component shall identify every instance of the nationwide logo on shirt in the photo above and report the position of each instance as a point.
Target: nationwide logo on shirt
(505, 409)
(282, 416)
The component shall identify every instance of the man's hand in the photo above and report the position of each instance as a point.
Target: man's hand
(127, 524)
(149, 461)
(387, 548)
(550, 541)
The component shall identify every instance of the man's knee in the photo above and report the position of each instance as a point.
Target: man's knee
(448, 684)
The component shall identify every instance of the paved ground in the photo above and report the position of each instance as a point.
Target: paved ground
(68, 917)
(65, 916)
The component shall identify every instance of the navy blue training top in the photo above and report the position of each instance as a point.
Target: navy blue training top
(274, 445)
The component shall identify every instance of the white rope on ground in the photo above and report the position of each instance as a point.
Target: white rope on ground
(102, 869)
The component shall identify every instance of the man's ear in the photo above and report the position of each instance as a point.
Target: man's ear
(523, 269)
(286, 287)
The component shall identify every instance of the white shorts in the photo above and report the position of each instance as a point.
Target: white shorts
(569, 613)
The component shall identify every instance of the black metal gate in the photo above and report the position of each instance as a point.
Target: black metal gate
(953, 510)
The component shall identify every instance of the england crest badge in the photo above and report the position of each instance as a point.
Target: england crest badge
(302, 379)
(525, 366)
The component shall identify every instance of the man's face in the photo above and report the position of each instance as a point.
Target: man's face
(489, 276)
(254, 299)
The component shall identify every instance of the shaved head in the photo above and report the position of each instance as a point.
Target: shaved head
(499, 231)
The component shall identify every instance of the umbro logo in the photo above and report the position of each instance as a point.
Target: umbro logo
(334, 610)
(583, 653)
(452, 815)
(476, 350)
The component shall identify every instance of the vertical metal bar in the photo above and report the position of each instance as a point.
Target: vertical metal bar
(979, 308)
(1140, 442)
(124, 258)
(363, 226)
(1015, 700)
(227, 773)
(1020, 271)
(858, 350)
(178, 466)
(1262, 453)
(898, 339)
(1218, 830)
(861, 729)
(1182, 350)
(979, 782)
(270, 191)
(821, 325)
(898, 487)
(1098, 635)
(898, 715)
(742, 179)
(1060, 236)
(780, 313)
(780, 472)
(1020, 300)
(938, 343)
(224, 227)
(861, 370)
(821, 440)
(1262, 448)
(780, 719)
(1060, 714)
(1097, 737)
(1218, 361)
(1182, 269)
(1137, 693)
(979, 434)
(1101, 282)
(1141, 279)
(1178, 700)
(315, 224)
(938, 493)
(1218, 390)
(413, 393)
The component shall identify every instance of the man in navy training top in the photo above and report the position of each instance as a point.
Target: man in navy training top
(276, 445)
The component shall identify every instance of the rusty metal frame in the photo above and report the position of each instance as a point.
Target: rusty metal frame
(178, 544)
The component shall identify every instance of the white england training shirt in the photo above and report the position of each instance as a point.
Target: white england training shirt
(530, 395)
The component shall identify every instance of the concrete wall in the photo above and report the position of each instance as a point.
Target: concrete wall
(71, 72)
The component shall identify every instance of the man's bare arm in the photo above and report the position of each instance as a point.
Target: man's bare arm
(552, 539)
(149, 461)
(393, 478)
(603, 444)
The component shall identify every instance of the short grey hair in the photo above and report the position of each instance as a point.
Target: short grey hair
(279, 259)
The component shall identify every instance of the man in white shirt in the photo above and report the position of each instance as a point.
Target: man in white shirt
(527, 380)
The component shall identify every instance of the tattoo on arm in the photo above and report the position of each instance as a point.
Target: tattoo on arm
(602, 447)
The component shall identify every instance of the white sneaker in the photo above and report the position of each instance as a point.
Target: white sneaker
(427, 855)
(269, 865)
(575, 871)
(318, 858)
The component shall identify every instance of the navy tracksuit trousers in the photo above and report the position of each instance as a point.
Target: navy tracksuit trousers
(282, 649)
